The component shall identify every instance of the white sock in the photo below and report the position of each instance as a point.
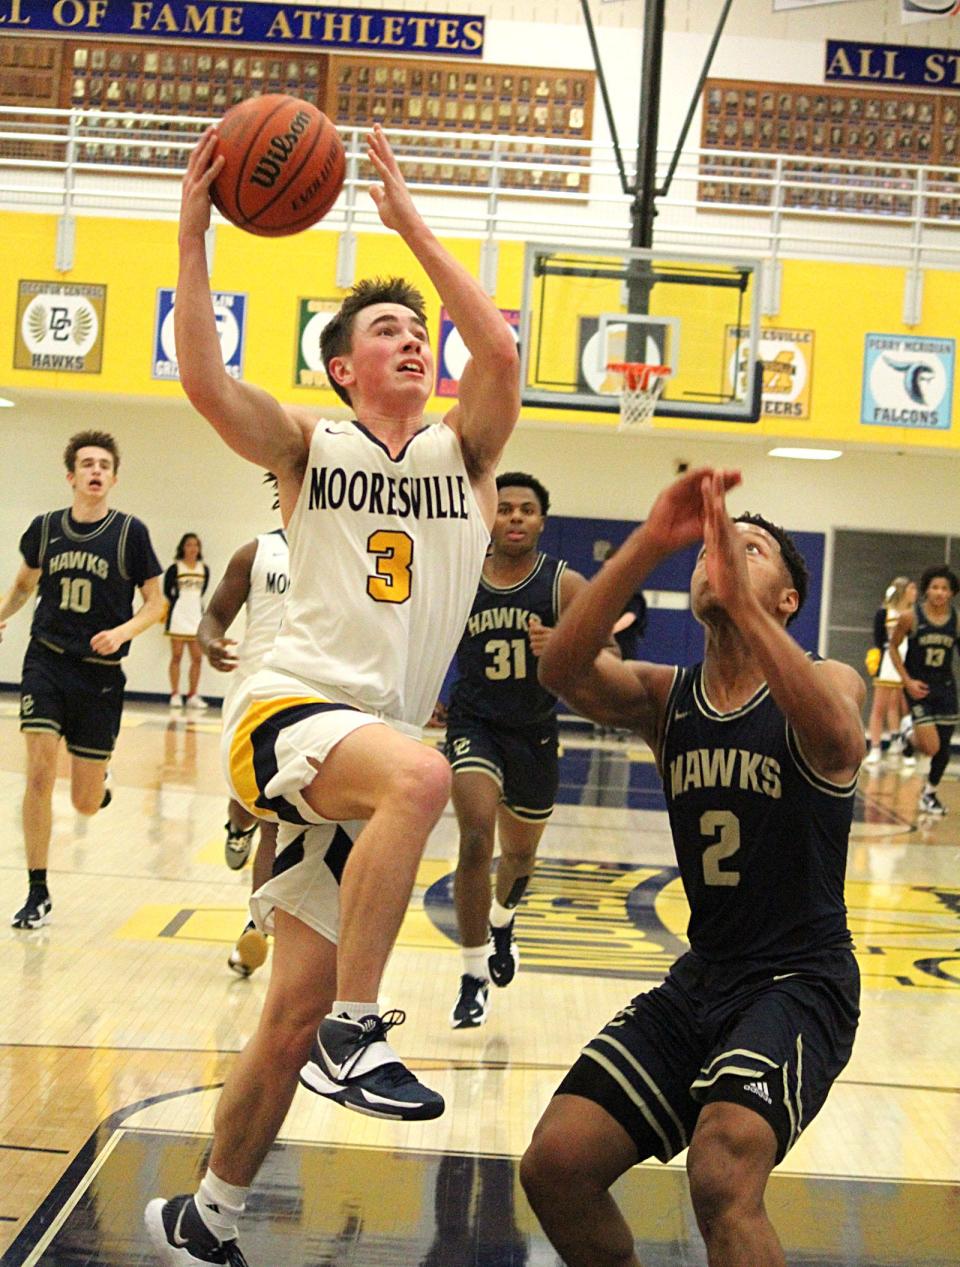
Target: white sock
(475, 961)
(353, 1011)
(500, 916)
(929, 790)
(220, 1205)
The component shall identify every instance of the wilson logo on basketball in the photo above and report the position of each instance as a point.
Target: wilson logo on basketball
(270, 164)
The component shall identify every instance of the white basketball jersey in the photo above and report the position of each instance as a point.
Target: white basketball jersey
(269, 580)
(385, 557)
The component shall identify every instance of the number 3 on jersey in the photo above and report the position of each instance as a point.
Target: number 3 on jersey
(393, 579)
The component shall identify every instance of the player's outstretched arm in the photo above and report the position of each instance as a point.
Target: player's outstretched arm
(24, 583)
(250, 420)
(222, 610)
(823, 700)
(489, 398)
(600, 686)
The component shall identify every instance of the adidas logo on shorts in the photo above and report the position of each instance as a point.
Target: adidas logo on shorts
(760, 1089)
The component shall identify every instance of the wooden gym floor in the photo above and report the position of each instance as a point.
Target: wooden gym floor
(120, 1021)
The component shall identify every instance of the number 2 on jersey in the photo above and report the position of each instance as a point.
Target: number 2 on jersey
(393, 580)
(728, 826)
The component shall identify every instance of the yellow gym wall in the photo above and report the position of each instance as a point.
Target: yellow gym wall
(840, 303)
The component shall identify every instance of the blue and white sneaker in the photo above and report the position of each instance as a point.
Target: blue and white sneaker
(352, 1063)
(181, 1237)
(504, 958)
(35, 911)
(473, 1003)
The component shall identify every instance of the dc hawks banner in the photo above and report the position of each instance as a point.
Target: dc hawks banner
(59, 327)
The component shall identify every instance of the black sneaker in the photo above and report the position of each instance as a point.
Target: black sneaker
(181, 1237)
(107, 788)
(35, 911)
(930, 803)
(472, 1005)
(239, 842)
(504, 957)
(352, 1063)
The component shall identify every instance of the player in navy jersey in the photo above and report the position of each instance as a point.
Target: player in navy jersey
(933, 628)
(758, 747)
(502, 737)
(85, 562)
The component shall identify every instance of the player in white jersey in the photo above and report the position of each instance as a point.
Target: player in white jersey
(388, 522)
(256, 579)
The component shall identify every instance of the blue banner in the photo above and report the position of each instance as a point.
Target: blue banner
(230, 312)
(279, 25)
(893, 65)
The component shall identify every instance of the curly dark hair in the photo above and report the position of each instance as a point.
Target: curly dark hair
(519, 479)
(337, 334)
(939, 569)
(91, 440)
(793, 560)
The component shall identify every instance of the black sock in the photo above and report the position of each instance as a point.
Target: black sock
(38, 878)
(938, 763)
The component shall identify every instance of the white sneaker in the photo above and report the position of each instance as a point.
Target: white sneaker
(196, 703)
(176, 701)
(873, 757)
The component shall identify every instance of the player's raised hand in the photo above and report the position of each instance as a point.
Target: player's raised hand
(202, 171)
(725, 550)
(392, 197)
(676, 518)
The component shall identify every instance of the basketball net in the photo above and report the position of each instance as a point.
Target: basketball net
(639, 392)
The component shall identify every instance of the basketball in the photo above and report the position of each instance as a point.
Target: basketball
(284, 165)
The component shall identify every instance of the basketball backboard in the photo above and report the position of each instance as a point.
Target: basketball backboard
(586, 307)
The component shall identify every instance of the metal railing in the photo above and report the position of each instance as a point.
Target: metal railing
(502, 187)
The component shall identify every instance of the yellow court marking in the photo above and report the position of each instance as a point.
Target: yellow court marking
(172, 922)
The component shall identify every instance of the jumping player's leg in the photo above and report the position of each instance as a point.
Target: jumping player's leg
(260, 1088)
(400, 787)
(577, 1152)
(255, 1098)
(731, 1155)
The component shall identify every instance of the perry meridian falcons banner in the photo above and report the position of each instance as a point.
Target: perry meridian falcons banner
(279, 25)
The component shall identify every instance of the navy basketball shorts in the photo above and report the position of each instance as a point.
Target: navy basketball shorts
(771, 1042)
(939, 708)
(522, 761)
(64, 696)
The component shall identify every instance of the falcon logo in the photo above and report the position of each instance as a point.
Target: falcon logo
(916, 374)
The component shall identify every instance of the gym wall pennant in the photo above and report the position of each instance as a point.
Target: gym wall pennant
(245, 22)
